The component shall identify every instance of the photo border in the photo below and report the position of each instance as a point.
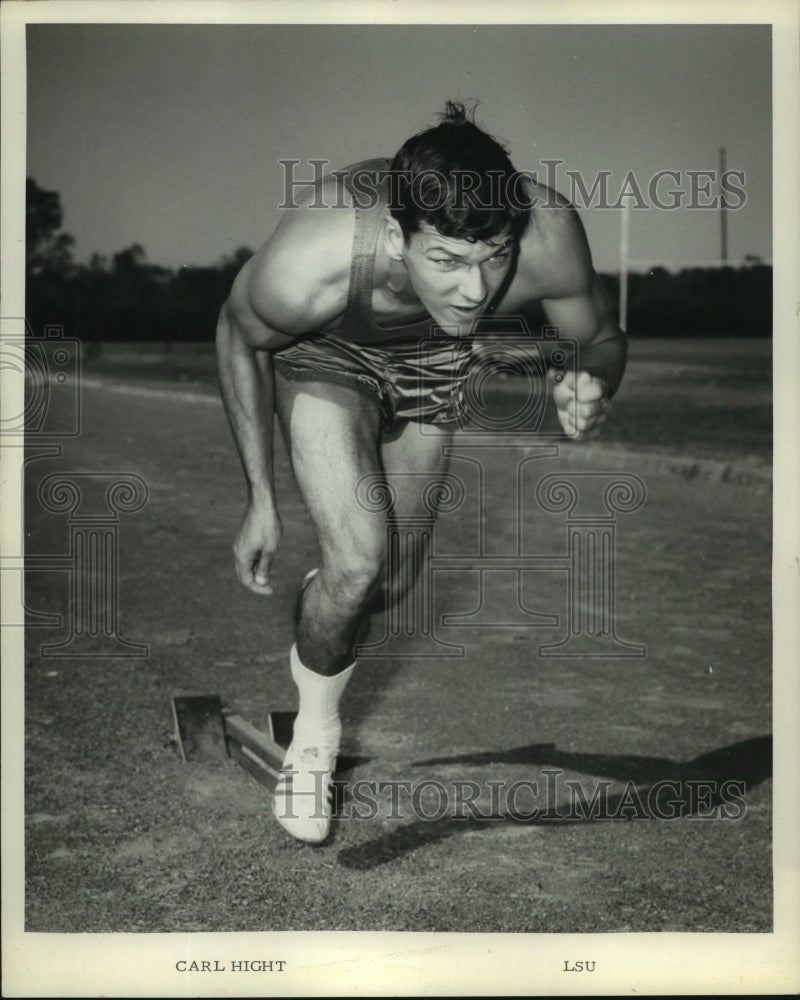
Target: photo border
(388, 963)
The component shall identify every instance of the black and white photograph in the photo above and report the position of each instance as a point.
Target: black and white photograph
(400, 481)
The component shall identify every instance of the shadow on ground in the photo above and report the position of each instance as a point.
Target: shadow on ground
(655, 788)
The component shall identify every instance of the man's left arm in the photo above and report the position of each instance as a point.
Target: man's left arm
(582, 396)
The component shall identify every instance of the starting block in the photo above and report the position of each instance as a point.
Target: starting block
(205, 730)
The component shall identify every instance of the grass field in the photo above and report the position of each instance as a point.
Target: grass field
(122, 836)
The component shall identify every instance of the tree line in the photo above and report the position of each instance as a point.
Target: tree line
(124, 298)
(128, 298)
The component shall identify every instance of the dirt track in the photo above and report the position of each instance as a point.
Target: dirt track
(122, 836)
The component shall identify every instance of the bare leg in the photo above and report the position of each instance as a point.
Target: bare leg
(332, 434)
(420, 452)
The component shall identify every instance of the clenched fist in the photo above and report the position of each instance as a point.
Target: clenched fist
(581, 401)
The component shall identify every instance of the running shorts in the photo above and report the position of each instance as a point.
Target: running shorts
(414, 380)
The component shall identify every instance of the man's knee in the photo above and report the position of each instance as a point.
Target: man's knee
(350, 579)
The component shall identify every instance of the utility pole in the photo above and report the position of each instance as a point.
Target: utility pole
(623, 266)
(723, 211)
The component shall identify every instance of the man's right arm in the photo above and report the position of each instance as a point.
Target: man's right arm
(295, 284)
(244, 356)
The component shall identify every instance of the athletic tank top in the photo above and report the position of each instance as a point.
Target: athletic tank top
(358, 325)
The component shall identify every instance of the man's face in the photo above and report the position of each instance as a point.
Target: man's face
(455, 279)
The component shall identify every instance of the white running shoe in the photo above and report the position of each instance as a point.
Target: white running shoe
(303, 802)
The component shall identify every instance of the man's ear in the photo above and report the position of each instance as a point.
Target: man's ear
(393, 238)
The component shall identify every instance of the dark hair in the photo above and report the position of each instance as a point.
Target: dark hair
(457, 178)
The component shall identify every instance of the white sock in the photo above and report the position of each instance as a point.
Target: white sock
(303, 797)
(318, 722)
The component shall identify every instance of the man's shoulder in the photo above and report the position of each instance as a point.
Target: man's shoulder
(554, 255)
(318, 228)
(300, 277)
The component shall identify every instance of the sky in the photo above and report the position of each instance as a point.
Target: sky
(171, 135)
